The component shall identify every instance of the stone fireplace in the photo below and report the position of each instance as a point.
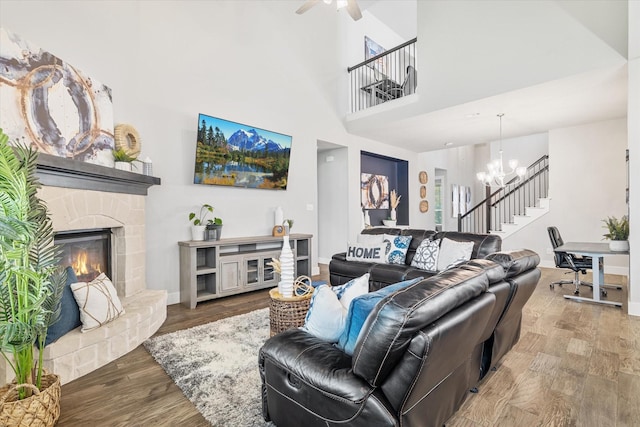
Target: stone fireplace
(81, 197)
(122, 214)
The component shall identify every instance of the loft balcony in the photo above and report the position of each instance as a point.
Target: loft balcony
(385, 77)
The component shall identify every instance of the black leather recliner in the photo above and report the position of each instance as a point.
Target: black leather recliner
(421, 350)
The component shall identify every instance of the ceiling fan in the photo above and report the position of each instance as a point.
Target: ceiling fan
(351, 5)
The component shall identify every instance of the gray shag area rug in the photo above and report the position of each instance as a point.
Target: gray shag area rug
(216, 367)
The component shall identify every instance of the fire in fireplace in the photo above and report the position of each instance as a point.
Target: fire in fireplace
(88, 252)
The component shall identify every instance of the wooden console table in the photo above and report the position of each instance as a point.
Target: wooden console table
(217, 268)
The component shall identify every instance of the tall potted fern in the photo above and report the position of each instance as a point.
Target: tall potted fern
(31, 285)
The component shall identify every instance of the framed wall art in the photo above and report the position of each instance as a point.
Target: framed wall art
(375, 191)
(51, 105)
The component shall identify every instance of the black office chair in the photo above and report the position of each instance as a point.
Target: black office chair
(573, 262)
(408, 86)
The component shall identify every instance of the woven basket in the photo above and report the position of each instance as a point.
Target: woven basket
(287, 313)
(39, 410)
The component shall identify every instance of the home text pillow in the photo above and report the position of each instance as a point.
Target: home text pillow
(98, 302)
(69, 313)
(452, 252)
(426, 257)
(397, 247)
(370, 238)
(325, 318)
(359, 310)
(367, 252)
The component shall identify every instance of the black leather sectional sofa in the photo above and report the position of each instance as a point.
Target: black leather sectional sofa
(341, 270)
(419, 353)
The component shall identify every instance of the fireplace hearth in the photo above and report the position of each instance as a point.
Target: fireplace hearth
(88, 252)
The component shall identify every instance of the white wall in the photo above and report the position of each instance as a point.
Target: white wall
(459, 163)
(166, 61)
(478, 49)
(633, 124)
(587, 180)
(333, 199)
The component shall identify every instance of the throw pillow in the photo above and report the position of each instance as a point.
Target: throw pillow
(426, 257)
(453, 252)
(325, 318)
(367, 252)
(359, 310)
(98, 302)
(370, 238)
(353, 288)
(328, 308)
(397, 247)
(69, 313)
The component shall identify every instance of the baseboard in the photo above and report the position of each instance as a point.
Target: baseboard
(173, 298)
(633, 308)
(608, 269)
(324, 261)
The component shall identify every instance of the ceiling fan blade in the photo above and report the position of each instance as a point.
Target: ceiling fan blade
(353, 9)
(306, 6)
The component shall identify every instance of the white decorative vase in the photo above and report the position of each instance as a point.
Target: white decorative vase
(619, 245)
(393, 214)
(197, 232)
(285, 286)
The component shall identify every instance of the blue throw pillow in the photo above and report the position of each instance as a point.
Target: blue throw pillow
(69, 312)
(397, 247)
(359, 311)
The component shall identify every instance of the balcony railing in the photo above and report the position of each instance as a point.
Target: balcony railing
(384, 77)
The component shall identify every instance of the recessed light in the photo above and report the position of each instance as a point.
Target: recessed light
(448, 144)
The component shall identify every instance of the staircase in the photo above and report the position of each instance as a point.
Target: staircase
(509, 209)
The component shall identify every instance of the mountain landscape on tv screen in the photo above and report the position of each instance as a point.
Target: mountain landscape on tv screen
(248, 157)
(252, 141)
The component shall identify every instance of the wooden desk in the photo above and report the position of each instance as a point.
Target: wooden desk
(596, 251)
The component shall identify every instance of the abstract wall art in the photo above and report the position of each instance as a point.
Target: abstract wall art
(51, 105)
(375, 191)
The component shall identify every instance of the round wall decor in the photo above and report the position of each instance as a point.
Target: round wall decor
(423, 191)
(423, 177)
(127, 139)
(424, 206)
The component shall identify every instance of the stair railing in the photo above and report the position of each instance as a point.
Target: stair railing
(501, 205)
(380, 79)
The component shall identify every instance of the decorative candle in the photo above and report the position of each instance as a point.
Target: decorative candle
(279, 216)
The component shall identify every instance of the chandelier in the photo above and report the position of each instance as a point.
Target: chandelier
(496, 175)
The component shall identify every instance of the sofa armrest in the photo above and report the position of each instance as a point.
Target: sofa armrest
(306, 381)
(317, 363)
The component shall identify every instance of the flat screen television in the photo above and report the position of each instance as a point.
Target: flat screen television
(238, 155)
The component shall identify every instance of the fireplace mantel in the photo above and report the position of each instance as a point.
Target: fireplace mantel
(68, 173)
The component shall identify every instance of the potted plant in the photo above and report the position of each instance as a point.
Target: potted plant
(618, 233)
(31, 284)
(122, 159)
(214, 229)
(200, 222)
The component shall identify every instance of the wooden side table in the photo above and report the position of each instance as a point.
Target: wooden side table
(287, 313)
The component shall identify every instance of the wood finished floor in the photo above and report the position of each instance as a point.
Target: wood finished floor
(577, 364)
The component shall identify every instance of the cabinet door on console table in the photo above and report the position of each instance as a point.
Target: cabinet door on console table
(217, 268)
